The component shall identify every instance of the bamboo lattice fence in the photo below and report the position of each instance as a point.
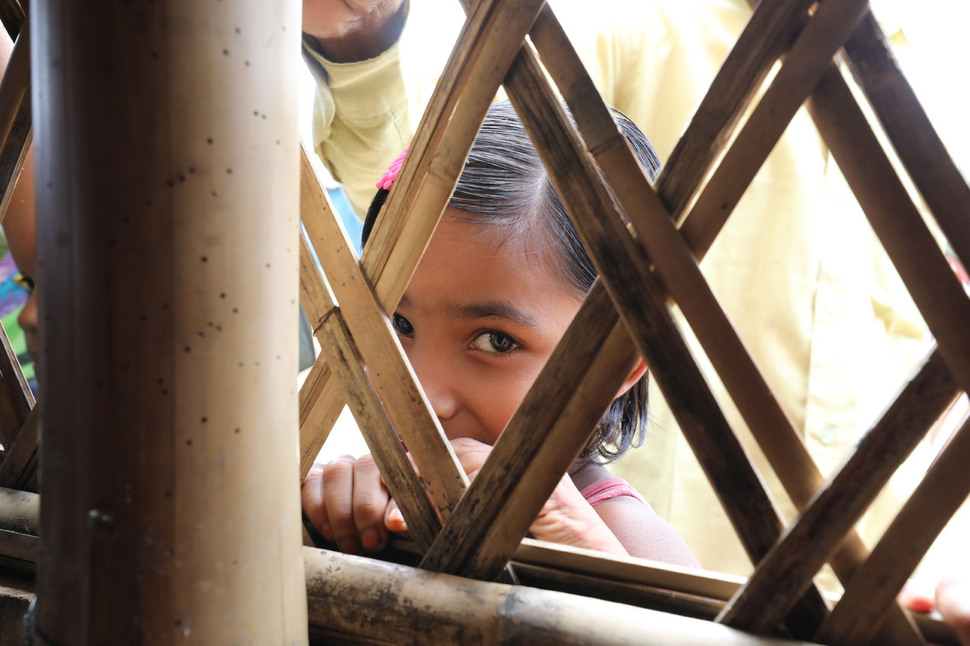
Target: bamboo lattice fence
(830, 55)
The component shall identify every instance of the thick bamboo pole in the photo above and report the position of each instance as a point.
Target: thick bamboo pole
(359, 600)
(168, 184)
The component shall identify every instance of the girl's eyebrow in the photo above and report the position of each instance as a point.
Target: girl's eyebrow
(492, 309)
(486, 309)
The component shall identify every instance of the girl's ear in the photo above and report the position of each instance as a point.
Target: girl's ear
(632, 378)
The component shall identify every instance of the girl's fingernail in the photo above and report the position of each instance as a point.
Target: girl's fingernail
(396, 522)
(370, 540)
(326, 532)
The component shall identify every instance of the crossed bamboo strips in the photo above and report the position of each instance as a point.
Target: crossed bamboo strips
(646, 244)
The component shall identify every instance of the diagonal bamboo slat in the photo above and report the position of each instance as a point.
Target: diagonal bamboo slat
(397, 242)
(789, 567)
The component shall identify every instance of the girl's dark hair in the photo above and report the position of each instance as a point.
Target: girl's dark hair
(505, 184)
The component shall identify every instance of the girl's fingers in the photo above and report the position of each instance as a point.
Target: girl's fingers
(394, 519)
(471, 454)
(338, 501)
(311, 495)
(370, 498)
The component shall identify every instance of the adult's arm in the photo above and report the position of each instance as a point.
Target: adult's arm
(360, 113)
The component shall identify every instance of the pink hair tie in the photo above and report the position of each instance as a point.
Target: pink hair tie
(387, 179)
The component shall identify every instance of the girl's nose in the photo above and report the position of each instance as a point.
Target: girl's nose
(434, 375)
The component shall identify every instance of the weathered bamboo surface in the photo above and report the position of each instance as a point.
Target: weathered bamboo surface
(920, 149)
(353, 599)
(683, 591)
(13, 17)
(664, 264)
(645, 262)
(943, 489)
(896, 220)
(18, 467)
(16, 398)
(15, 117)
(168, 259)
(402, 481)
(410, 217)
(767, 35)
(765, 598)
(775, 433)
(393, 380)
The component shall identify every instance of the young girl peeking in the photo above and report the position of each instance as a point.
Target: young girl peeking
(501, 279)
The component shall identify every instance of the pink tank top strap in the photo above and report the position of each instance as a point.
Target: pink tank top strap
(609, 488)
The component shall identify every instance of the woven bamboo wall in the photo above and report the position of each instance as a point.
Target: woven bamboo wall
(829, 55)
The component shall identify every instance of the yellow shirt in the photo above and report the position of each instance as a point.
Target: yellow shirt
(796, 268)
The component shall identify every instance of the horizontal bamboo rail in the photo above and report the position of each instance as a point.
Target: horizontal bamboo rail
(352, 598)
(694, 593)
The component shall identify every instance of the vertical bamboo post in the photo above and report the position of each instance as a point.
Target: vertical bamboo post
(168, 183)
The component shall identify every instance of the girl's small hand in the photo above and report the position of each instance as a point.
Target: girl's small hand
(566, 518)
(347, 502)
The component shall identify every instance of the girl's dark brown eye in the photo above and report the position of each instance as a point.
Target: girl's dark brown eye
(501, 342)
(401, 325)
(495, 343)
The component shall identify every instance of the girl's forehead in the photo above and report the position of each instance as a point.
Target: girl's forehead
(476, 251)
(510, 236)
